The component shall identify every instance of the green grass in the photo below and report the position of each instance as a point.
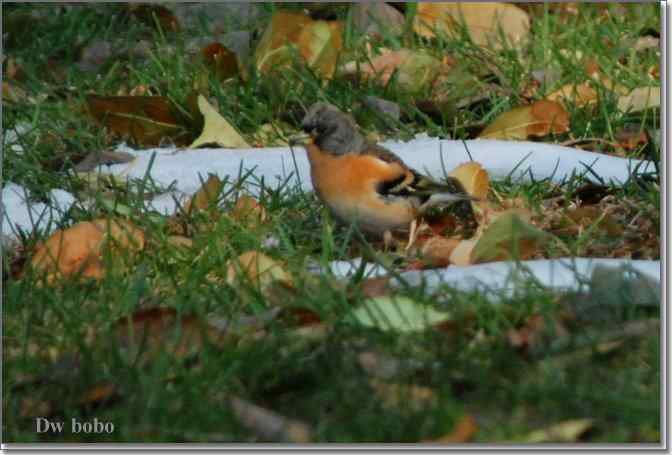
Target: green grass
(60, 341)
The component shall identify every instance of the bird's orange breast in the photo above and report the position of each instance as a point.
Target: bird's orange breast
(347, 184)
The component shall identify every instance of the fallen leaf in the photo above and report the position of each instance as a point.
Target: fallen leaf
(508, 236)
(640, 99)
(473, 178)
(216, 130)
(464, 431)
(258, 269)
(581, 94)
(79, 249)
(32, 407)
(646, 42)
(98, 394)
(631, 138)
(153, 15)
(12, 93)
(248, 211)
(94, 55)
(567, 431)
(206, 197)
(149, 332)
(396, 313)
(270, 425)
(579, 219)
(414, 69)
(538, 119)
(222, 61)
(377, 19)
(318, 43)
(461, 254)
(179, 241)
(437, 251)
(483, 21)
(375, 287)
(403, 396)
(147, 120)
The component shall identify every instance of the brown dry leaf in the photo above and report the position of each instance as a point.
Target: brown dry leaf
(249, 212)
(145, 119)
(437, 251)
(223, 61)
(567, 431)
(640, 99)
(149, 332)
(98, 394)
(216, 130)
(575, 221)
(376, 287)
(257, 268)
(538, 119)
(482, 20)
(12, 93)
(631, 139)
(79, 249)
(414, 69)
(464, 431)
(206, 197)
(317, 42)
(153, 14)
(33, 407)
(403, 396)
(270, 425)
(473, 178)
(581, 94)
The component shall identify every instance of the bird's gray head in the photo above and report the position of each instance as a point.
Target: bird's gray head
(332, 130)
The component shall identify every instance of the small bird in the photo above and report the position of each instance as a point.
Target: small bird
(364, 183)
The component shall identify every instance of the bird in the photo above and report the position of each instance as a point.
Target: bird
(364, 183)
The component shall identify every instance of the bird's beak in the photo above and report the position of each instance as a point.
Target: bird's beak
(300, 139)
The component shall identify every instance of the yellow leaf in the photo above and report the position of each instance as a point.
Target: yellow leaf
(216, 129)
(473, 178)
(482, 20)
(567, 431)
(258, 269)
(317, 42)
(538, 119)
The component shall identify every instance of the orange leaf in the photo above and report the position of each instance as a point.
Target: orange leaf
(79, 249)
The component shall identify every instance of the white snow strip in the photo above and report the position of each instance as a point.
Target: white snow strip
(524, 160)
(19, 212)
(503, 278)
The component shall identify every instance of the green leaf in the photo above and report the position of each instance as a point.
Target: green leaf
(395, 313)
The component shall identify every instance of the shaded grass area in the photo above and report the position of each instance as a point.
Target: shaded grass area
(60, 343)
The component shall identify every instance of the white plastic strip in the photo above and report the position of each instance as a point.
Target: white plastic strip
(523, 160)
(499, 278)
